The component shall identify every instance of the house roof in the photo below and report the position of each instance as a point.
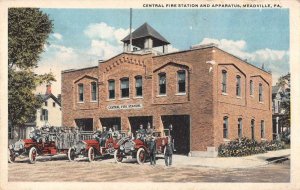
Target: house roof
(146, 31)
(47, 96)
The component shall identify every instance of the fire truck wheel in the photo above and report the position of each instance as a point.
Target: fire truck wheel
(141, 156)
(118, 157)
(32, 155)
(91, 154)
(71, 154)
(11, 156)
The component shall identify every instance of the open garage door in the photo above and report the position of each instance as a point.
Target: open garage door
(180, 133)
(85, 124)
(110, 122)
(135, 122)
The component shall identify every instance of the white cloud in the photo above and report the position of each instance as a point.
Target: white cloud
(275, 60)
(57, 36)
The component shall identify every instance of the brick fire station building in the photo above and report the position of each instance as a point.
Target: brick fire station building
(208, 95)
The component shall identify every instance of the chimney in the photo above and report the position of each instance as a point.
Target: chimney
(48, 89)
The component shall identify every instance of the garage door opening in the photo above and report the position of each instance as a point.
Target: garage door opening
(85, 124)
(110, 122)
(180, 132)
(135, 122)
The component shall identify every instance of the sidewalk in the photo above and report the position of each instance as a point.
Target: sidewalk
(230, 162)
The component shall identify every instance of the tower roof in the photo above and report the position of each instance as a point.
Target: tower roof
(143, 32)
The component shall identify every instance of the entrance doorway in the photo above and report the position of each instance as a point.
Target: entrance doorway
(85, 124)
(110, 122)
(135, 122)
(180, 132)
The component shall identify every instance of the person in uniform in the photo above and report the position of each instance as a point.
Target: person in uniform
(141, 132)
(152, 149)
(172, 135)
(149, 130)
(103, 137)
(169, 152)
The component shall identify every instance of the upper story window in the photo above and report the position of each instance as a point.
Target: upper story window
(262, 129)
(252, 129)
(162, 83)
(46, 103)
(238, 85)
(111, 89)
(224, 81)
(138, 86)
(225, 127)
(80, 92)
(44, 115)
(125, 88)
(53, 104)
(251, 87)
(240, 127)
(181, 81)
(93, 91)
(260, 92)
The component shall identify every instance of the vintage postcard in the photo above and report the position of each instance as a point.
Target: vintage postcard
(149, 95)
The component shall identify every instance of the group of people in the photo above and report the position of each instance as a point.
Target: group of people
(150, 140)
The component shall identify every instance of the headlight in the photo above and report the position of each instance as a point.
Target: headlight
(132, 148)
(121, 147)
(21, 146)
(11, 146)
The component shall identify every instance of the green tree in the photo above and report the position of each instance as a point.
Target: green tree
(284, 83)
(28, 30)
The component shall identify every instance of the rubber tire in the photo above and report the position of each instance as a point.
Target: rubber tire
(138, 157)
(91, 154)
(10, 158)
(32, 159)
(69, 154)
(116, 158)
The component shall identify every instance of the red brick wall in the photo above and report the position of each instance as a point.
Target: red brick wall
(203, 100)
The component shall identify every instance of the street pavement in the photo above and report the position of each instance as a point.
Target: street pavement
(185, 169)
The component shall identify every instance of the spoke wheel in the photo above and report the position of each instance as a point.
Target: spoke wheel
(32, 155)
(141, 156)
(91, 154)
(71, 154)
(118, 156)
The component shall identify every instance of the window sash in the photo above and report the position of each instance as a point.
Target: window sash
(262, 132)
(252, 129)
(111, 85)
(238, 86)
(162, 79)
(224, 81)
(225, 128)
(138, 82)
(240, 128)
(80, 92)
(94, 91)
(251, 87)
(124, 83)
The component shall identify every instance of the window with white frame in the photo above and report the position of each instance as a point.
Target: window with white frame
(80, 92)
(138, 86)
(262, 129)
(162, 83)
(181, 81)
(111, 89)
(225, 127)
(44, 115)
(93, 91)
(125, 88)
(238, 85)
(251, 87)
(240, 128)
(224, 81)
(252, 129)
(260, 92)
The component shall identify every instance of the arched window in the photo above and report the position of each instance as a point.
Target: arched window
(80, 92)
(138, 86)
(225, 127)
(162, 83)
(181, 81)
(124, 87)
(224, 81)
(260, 93)
(240, 128)
(238, 85)
(111, 89)
(252, 129)
(251, 87)
(93, 91)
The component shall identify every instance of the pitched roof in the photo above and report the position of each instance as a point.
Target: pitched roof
(47, 96)
(146, 31)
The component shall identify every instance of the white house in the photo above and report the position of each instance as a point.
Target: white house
(48, 115)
